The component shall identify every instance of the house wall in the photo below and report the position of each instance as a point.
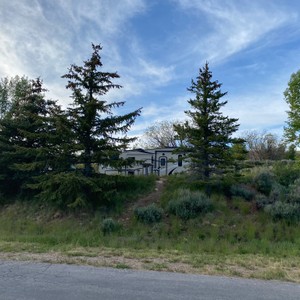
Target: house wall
(155, 161)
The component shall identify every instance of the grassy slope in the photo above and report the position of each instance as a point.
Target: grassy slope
(233, 240)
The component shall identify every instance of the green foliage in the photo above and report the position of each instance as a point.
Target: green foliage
(100, 134)
(135, 184)
(74, 191)
(29, 138)
(242, 191)
(264, 182)
(149, 214)
(208, 133)
(283, 210)
(11, 91)
(109, 226)
(282, 201)
(223, 184)
(189, 204)
(71, 190)
(286, 172)
(294, 192)
(278, 193)
(292, 97)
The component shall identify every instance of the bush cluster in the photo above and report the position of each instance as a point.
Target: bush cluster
(279, 192)
(284, 210)
(189, 204)
(109, 225)
(242, 191)
(149, 214)
(263, 182)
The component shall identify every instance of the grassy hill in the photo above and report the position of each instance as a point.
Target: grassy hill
(248, 227)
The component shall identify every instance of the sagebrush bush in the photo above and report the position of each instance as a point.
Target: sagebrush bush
(283, 210)
(189, 204)
(278, 193)
(294, 192)
(242, 191)
(149, 214)
(109, 225)
(261, 201)
(263, 182)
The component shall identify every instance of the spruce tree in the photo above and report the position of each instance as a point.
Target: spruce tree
(100, 134)
(30, 141)
(208, 132)
(11, 90)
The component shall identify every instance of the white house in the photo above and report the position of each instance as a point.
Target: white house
(162, 161)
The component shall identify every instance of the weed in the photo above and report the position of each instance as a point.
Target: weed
(122, 266)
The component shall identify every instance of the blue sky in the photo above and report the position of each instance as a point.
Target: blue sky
(157, 47)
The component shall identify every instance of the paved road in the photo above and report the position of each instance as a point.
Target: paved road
(24, 281)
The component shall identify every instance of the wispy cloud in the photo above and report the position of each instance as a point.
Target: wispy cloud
(42, 38)
(235, 25)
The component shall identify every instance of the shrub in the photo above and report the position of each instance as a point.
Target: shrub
(263, 182)
(149, 214)
(188, 204)
(278, 193)
(261, 201)
(281, 210)
(294, 192)
(286, 172)
(109, 226)
(242, 191)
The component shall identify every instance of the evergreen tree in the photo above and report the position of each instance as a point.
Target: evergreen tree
(100, 134)
(29, 140)
(208, 131)
(12, 89)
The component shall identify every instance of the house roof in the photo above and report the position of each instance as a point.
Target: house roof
(139, 150)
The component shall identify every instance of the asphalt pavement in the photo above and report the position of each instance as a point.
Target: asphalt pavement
(42, 281)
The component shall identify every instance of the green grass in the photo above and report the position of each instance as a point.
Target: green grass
(234, 239)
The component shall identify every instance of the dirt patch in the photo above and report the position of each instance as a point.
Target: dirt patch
(153, 197)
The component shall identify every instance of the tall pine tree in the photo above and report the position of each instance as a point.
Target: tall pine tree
(100, 134)
(208, 131)
(30, 139)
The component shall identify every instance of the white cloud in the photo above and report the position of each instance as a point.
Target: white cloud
(160, 74)
(235, 25)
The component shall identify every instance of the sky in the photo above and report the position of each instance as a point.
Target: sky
(157, 48)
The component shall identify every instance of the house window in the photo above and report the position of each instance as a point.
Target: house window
(162, 161)
(180, 160)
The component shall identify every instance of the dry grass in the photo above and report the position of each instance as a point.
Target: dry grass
(244, 265)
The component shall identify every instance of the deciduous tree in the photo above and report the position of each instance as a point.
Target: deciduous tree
(264, 146)
(292, 98)
(162, 135)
